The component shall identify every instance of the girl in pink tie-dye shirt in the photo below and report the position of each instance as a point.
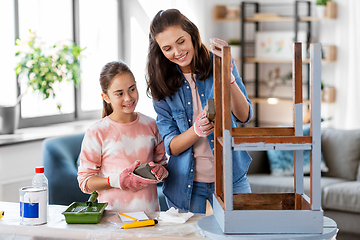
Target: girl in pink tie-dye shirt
(115, 145)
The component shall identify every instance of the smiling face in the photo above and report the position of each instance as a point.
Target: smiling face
(123, 97)
(176, 46)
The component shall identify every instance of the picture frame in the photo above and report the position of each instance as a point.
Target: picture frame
(278, 44)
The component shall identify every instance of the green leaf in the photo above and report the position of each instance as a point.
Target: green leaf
(47, 69)
(18, 69)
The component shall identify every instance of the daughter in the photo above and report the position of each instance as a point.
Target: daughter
(115, 145)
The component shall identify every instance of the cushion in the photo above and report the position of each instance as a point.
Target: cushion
(263, 183)
(341, 149)
(282, 162)
(342, 196)
(259, 163)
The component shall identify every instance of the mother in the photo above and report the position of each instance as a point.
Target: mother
(180, 80)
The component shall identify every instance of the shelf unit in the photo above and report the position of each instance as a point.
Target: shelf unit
(259, 18)
(256, 21)
(266, 60)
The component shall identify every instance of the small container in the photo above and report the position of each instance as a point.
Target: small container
(87, 212)
(33, 205)
(9, 119)
(92, 214)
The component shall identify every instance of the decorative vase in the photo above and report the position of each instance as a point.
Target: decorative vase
(235, 51)
(9, 119)
(320, 11)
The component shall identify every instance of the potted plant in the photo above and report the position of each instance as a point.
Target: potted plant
(320, 8)
(235, 47)
(47, 65)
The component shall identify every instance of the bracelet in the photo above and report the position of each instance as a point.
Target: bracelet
(232, 82)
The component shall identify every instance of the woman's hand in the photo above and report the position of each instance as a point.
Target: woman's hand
(202, 125)
(239, 105)
(216, 46)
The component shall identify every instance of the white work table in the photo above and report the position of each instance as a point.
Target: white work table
(109, 227)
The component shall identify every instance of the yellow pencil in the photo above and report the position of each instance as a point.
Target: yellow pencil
(123, 214)
(142, 223)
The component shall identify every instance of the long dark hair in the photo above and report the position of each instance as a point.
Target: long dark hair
(108, 72)
(163, 78)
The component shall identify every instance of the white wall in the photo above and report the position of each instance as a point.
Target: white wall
(17, 164)
(345, 32)
(18, 161)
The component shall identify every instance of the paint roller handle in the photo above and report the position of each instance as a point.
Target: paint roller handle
(92, 198)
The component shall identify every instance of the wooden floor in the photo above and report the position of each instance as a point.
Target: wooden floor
(347, 236)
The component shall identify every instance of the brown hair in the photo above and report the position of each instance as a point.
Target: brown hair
(163, 78)
(108, 72)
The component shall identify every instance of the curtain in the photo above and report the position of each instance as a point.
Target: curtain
(347, 84)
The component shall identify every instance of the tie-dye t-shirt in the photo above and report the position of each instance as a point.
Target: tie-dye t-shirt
(109, 147)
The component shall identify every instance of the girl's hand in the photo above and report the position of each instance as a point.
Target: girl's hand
(216, 46)
(159, 171)
(202, 125)
(127, 180)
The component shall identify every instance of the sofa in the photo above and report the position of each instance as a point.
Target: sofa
(60, 159)
(340, 178)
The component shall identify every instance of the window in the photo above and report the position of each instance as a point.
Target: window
(50, 27)
(89, 23)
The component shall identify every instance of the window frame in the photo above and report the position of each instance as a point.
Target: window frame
(78, 114)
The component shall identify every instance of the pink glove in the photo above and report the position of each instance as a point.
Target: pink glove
(216, 46)
(127, 180)
(202, 125)
(159, 171)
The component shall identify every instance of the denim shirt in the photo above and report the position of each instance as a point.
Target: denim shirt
(175, 117)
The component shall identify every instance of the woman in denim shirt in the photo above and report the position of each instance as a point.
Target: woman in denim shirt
(180, 81)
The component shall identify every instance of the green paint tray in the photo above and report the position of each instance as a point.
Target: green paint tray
(87, 212)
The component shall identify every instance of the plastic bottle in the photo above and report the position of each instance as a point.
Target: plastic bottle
(40, 179)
